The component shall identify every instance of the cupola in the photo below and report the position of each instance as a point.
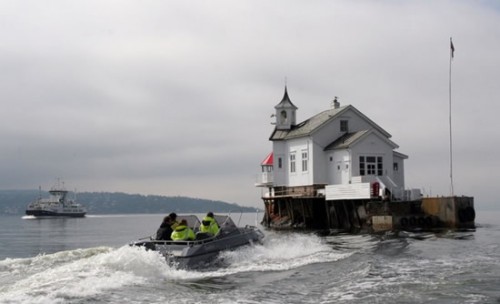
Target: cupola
(285, 113)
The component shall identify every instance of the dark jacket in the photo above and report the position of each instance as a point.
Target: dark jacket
(163, 233)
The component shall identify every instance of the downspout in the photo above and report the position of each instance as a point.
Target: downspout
(349, 151)
(310, 164)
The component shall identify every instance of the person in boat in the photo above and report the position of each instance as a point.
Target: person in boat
(209, 225)
(165, 231)
(173, 217)
(182, 232)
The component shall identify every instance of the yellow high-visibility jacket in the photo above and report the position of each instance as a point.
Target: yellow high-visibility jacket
(182, 233)
(209, 225)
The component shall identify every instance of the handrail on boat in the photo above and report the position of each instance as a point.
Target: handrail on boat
(152, 239)
(193, 242)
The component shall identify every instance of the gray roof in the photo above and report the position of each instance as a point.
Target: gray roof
(310, 125)
(346, 140)
(349, 139)
(400, 155)
(306, 127)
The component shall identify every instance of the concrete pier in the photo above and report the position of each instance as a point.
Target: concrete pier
(426, 214)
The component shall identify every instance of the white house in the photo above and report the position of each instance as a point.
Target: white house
(339, 153)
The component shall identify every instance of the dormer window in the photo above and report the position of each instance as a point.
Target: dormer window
(344, 126)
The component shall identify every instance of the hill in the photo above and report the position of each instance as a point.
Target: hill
(15, 201)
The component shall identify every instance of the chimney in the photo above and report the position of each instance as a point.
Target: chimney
(336, 104)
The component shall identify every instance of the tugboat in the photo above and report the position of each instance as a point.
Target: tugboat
(204, 250)
(57, 205)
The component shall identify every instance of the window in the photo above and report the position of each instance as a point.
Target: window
(370, 169)
(362, 165)
(371, 165)
(304, 161)
(344, 126)
(395, 167)
(380, 170)
(292, 162)
(280, 163)
(283, 117)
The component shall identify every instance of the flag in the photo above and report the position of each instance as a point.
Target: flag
(452, 48)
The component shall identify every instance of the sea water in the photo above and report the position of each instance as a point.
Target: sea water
(88, 260)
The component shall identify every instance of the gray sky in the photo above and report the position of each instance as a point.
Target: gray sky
(175, 97)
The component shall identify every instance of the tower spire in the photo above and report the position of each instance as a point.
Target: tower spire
(285, 96)
(285, 112)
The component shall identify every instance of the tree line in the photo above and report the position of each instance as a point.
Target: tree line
(15, 202)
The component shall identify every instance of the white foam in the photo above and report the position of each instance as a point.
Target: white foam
(77, 273)
(278, 253)
(28, 217)
(85, 273)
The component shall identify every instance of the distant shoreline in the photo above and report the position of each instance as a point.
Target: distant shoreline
(14, 202)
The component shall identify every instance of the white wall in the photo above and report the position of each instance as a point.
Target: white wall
(339, 167)
(320, 164)
(331, 131)
(399, 176)
(283, 149)
(373, 145)
(280, 174)
(299, 177)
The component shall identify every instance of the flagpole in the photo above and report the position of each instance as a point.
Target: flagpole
(452, 50)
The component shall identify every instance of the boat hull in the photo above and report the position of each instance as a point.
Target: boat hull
(201, 253)
(46, 213)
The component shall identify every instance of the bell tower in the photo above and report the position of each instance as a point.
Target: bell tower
(285, 113)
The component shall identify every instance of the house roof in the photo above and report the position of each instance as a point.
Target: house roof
(346, 140)
(314, 123)
(308, 126)
(268, 161)
(400, 155)
(349, 139)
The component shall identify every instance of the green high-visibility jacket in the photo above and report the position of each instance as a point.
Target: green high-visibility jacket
(209, 225)
(182, 233)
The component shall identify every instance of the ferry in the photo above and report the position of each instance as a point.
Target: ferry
(56, 205)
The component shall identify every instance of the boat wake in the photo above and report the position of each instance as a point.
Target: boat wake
(74, 274)
(28, 217)
(282, 252)
(93, 272)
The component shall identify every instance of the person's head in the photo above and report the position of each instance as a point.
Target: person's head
(167, 219)
(210, 214)
(173, 216)
(183, 222)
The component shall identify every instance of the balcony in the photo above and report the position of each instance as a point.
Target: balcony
(264, 179)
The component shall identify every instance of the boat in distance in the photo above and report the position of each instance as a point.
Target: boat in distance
(205, 249)
(56, 205)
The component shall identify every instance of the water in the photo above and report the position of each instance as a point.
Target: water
(87, 260)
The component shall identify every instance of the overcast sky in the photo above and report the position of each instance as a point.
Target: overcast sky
(175, 97)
